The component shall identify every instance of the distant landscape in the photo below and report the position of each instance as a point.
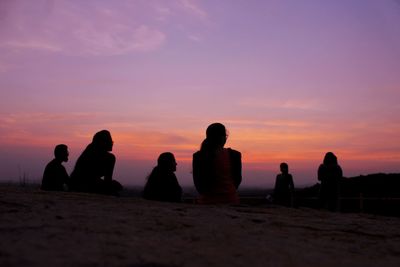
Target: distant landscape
(377, 193)
(374, 193)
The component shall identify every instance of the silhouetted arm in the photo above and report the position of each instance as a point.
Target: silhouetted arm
(276, 185)
(196, 167)
(46, 180)
(340, 172)
(176, 188)
(291, 184)
(236, 161)
(321, 172)
(109, 168)
(64, 177)
(201, 177)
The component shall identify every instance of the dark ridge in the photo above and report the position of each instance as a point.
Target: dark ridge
(377, 193)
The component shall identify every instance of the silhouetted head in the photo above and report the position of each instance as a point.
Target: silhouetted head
(330, 159)
(61, 152)
(284, 167)
(102, 140)
(166, 162)
(215, 136)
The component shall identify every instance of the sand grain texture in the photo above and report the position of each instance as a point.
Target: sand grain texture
(72, 229)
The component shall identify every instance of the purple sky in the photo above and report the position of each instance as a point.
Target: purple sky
(291, 80)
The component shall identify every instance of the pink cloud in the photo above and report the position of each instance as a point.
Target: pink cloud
(32, 44)
(290, 103)
(192, 7)
(4, 67)
(65, 28)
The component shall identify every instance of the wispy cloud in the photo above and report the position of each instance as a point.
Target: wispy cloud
(267, 123)
(301, 104)
(133, 140)
(99, 28)
(32, 44)
(195, 37)
(68, 28)
(163, 13)
(192, 7)
(119, 40)
(4, 67)
(28, 128)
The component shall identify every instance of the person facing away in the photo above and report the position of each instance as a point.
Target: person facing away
(162, 184)
(95, 166)
(284, 187)
(55, 177)
(217, 171)
(330, 175)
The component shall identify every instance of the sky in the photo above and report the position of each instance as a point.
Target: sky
(290, 80)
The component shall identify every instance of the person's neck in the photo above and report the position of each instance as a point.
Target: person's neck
(60, 161)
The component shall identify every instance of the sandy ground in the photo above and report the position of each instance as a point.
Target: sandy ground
(72, 229)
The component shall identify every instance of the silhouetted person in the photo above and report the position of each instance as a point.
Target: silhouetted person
(162, 184)
(94, 168)
(217, 171)
(284, 187)
(330, 175)
(55, 177)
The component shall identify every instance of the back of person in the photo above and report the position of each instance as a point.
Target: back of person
(330, 177)
(330, 174)
(284, 186)
(217, 171)
(223, 188)
(54, 176)
(283, 189)
(163, 188)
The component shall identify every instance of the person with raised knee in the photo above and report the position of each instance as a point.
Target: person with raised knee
(94, 168)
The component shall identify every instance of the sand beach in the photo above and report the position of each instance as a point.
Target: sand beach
(40, 228)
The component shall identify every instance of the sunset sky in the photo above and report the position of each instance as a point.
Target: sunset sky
(290, 79)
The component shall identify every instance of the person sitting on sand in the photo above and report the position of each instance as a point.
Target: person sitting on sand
(55, 177)
(217, 171)
(94, 168)
(284, 187)
(330, 175)
(162, 184)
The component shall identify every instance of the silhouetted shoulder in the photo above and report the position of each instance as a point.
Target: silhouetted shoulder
(234, 153)
(236, 161)
(199, 157)
(110, 157)
(197, 154)
(201, 173)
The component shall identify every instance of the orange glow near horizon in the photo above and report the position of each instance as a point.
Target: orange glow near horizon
(258, 146)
